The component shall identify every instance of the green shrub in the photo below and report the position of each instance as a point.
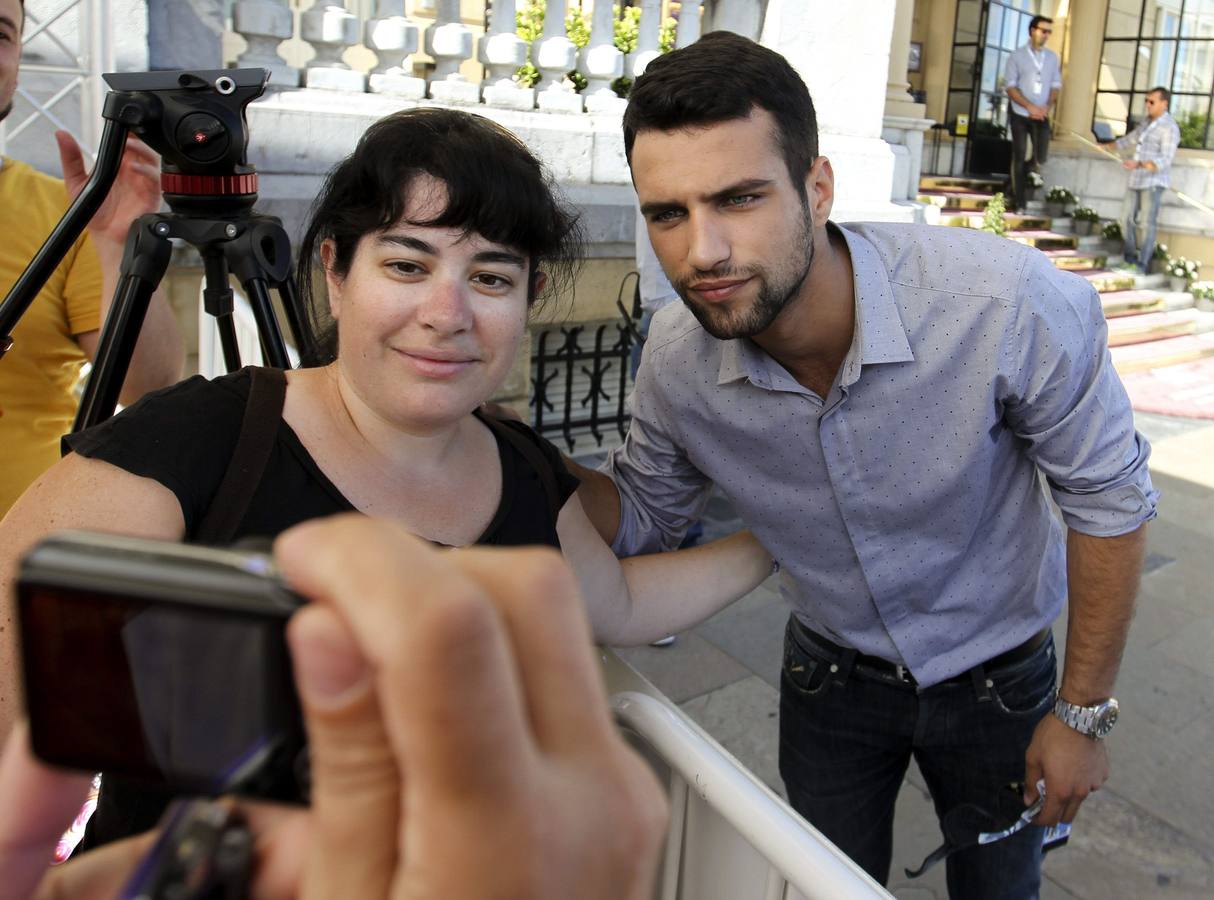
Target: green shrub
(992, 217)
(1112, 231)
(1085, 214)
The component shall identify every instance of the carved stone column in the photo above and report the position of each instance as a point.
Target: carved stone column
(392, 38)
(264, 24)
(898, 101)
(648, 38)
(688, 31)
(601, 62)
(501, 52)
(555, 55)
(330, 28)
(449, 41)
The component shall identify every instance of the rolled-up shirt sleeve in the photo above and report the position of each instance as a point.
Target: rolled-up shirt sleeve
(661, 492)
(1061, 395)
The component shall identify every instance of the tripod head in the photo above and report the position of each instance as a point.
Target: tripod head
(196, 122)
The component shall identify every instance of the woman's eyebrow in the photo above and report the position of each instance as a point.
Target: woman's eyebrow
(501, 256)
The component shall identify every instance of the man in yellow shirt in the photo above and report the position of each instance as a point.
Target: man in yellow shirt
(59, 331)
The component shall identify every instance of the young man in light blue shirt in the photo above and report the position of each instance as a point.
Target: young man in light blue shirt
(890, 409)
(1032, 79)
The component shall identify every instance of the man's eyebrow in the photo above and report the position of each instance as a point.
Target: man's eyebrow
(739, 187)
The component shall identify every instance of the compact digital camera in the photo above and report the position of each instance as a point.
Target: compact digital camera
(161, 662)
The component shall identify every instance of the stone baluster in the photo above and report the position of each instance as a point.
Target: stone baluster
(501, 52)
(555, 55)
(688, 31)
(330, 28)
(264, 24)
(601, 62)
(449, 41)
(392, 37)
(648, 38)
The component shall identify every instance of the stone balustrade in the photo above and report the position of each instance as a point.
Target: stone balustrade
(388, 35)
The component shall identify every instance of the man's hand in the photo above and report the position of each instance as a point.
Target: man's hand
(1037, 113)
(1072, 764)
(1129, 164)
(136, 189)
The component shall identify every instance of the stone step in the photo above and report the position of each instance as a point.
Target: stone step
(961, 183)
(1158, 326)
(1104, 280)
(1131, 303)
(1168, 352)
(955, 199)
(1073, 260)
(963, 218)
(1045, 240)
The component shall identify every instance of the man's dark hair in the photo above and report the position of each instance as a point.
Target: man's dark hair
(1164, 94)
(720, 78)
(1038, 20)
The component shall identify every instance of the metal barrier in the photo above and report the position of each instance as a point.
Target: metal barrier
(730, 837)
(579, 388)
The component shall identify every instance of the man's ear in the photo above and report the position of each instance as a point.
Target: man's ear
(328, 256)
(820, 189)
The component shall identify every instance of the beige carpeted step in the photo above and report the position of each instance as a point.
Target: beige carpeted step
(1131, 303)
(1154, 326)
(961, 218)
(1046, 240)
(1073, 260)
(1169, 352)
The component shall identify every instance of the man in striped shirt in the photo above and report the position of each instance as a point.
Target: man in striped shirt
(1154, 143)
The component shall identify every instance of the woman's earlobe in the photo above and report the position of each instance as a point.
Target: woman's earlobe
(539, 281)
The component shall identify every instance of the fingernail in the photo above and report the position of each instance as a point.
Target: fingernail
(329, 669)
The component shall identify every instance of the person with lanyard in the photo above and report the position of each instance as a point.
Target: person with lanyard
(1155, 142)
(1032, 80)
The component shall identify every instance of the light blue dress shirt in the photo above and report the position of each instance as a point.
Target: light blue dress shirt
(909, 507)
(1035, 74)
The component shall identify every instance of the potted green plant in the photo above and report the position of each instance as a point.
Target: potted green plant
(1057, 199)
(1112, 232)
(1203, 293)
(1159, 260)
(1181, 272)
(1084, 219)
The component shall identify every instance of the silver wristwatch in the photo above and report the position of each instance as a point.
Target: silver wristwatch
(1094, 721)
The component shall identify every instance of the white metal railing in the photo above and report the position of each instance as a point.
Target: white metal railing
(77, 36)
(730, 837)
(331, 29)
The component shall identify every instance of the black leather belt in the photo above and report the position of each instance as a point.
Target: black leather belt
(885, 669)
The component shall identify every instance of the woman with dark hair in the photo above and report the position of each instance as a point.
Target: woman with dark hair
(435, 237)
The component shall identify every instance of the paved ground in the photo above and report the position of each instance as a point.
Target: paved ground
(1150, 832)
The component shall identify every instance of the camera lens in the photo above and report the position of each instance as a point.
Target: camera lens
(224, 84)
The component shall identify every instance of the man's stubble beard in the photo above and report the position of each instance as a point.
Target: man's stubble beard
(772, 299)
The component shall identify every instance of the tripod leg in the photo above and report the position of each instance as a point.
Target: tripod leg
(114, 350)
(272, 346)
(288, 293)
(227, 340)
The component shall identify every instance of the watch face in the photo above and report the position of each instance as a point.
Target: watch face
(1106, 718)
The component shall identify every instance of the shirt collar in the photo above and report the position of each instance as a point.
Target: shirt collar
(880, 336)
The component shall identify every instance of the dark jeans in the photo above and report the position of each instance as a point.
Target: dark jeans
(1023, 130)
(846, 739)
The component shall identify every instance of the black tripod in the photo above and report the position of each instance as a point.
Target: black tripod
(195, 120)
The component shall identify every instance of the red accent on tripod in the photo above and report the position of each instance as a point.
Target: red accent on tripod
(208, 185)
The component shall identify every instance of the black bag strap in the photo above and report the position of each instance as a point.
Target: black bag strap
(531, 453)
(258, 428)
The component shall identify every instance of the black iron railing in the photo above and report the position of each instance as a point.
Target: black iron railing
(580, 382)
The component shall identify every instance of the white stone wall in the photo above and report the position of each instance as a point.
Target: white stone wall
(1101, 184)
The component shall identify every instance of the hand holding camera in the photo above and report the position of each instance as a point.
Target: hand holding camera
(459, 686)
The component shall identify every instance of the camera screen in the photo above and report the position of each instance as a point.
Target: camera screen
(197, 699)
